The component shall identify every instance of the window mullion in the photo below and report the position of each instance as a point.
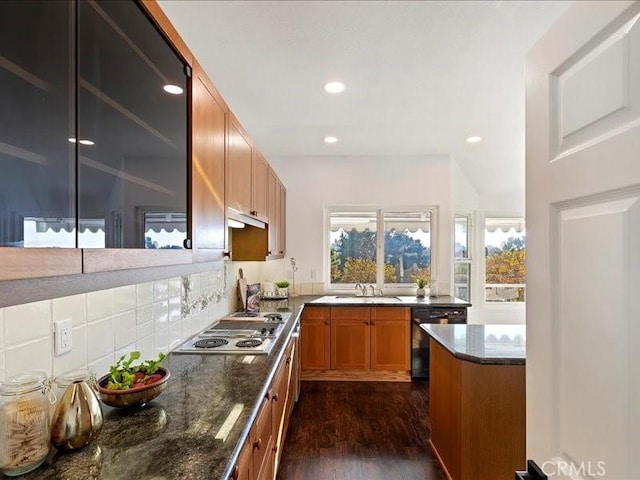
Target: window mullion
(380, 253)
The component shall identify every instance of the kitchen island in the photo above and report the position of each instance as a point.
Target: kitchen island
(477, 399)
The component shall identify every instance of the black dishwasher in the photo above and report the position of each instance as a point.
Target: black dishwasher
(420, 338)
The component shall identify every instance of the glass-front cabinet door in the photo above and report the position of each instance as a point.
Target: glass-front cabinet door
(93, 127)
(131, 131)
(37, 115)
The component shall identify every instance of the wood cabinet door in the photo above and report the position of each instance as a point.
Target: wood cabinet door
(390, 338)
(282, 220)
(244, 467)
(350, 343)
(259, 187)
(315, 343)
(239, 163)
(262, 440)
(273, 210)
(207, 167)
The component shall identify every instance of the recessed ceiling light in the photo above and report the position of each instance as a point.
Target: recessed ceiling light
(72, 140)
(87, 142)
(474, 139)
(330, 139)
(173, 89)
(334, 87)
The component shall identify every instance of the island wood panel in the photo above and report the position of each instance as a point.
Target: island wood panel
(350, 338)
(477, 416)
(315, 338)
(259, 187)
(208, 126)
(238, 166)
(21, 263)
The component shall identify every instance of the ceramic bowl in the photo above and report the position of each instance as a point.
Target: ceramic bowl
(133, 397)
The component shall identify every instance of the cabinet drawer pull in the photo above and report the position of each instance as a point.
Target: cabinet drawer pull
(268, 395)
(288, 361)
(236, 472)
(257, 444)
(372, 323)
(366, 323)
(326, 323)
(275, 397)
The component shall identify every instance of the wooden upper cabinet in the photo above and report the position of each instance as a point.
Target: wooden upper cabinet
(238, 167)
(208, 121)
(277, 196)
(282, 222)
(259, 187)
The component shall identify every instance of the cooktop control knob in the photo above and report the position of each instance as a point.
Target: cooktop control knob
(272, 331)
(263, 331)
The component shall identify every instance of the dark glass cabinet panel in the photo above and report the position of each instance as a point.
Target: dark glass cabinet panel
(93, 150)
(132, 133)
(37, 94)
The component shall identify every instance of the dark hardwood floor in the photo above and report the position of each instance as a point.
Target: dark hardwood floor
(360, 431)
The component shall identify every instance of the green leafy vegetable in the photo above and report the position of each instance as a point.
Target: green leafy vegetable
(122, 375)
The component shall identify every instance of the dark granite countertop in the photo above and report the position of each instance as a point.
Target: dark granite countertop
(486, 344)
(177, 436)
(387, 300)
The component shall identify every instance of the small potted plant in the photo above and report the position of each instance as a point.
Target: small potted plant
(283, 288)
(421, 282)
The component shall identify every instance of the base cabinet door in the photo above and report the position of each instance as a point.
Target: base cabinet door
(390, 338)
(315, 338)
(350, 345)
(262, 441)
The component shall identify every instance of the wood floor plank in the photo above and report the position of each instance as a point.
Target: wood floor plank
(360, 431)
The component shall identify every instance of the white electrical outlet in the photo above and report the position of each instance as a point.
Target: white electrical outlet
(313, 274)
(63, 336)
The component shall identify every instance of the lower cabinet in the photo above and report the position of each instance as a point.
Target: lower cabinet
(260, 455)
(362, 343)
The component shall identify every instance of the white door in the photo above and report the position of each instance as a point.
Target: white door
(583, 244)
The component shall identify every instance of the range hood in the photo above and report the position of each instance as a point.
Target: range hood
(233, 214)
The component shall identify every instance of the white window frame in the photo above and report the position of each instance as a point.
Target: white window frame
(469, 259)
(380, 210)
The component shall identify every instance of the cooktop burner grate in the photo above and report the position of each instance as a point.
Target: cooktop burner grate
(252, 342)
(273, 316)
(210, 343)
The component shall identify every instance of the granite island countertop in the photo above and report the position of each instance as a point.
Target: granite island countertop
(179, 435)
(485, 344)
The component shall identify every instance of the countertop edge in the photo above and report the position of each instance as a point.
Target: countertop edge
(475, 359)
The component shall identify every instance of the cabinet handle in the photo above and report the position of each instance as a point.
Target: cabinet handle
(275, 397)
(257, 444)
(236, 472)
(288, 361)
(366, 323)
(275, 449)
(281, 252)
(269, 252)
(268, 395)
(326, 323)
(226, 253)
(372, 323)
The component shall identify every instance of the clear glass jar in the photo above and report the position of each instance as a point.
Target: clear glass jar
(24, 422)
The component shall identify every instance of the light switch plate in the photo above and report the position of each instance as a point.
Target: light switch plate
(63, 336)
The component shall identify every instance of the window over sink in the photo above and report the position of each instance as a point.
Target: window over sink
(356, 236)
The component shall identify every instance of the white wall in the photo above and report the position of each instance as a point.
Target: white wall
(318, 182)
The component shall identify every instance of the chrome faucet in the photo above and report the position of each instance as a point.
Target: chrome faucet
(362, 287)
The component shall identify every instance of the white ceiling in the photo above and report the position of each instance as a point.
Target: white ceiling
(420, 76)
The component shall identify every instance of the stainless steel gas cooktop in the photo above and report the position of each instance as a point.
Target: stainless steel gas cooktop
(237, 335)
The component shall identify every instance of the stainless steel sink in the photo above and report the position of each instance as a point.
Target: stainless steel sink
(357, 299)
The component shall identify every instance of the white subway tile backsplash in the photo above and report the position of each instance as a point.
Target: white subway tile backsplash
(144, 293)
(124, 298)
(100, 339)
(150, 317)
(125, 351)
(175, 336)
(161, 342)
(23, 323)
(175, 287)
(145, 347)
(101, 366)
(77, 357)
(161, 315)
(73, 307)
(28, 357)
(124, 326)
(100, 304)
(160, 290)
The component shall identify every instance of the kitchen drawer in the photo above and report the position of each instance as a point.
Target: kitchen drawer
(315, 313)
(261, 438)
(391, 313)
(349, 313)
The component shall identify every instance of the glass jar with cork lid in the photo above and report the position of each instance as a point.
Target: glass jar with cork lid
(24, 422)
